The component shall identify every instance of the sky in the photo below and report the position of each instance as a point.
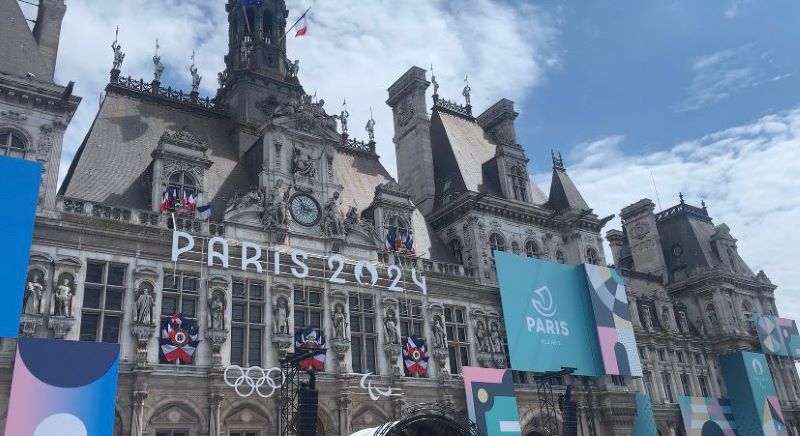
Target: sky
(643, 99)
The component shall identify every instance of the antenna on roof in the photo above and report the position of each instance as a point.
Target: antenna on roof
(658, 199)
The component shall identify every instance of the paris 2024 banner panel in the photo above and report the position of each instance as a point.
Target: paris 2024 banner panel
(17, 215)
(778, 336)
(573, 316)
(752, 394)
(63, 388)
(491, 401)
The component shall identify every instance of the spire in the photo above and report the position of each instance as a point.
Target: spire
(563, 192)
(680, 195)
(558, 162)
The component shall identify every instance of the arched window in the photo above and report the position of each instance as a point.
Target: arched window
(531, 250)
(268, 26)
(180, 185)
(591, 256)
(398, 235)
(497, 242)
(515, 247)
(12, 144)
(519, 184)
(560, 257)
(456, 249)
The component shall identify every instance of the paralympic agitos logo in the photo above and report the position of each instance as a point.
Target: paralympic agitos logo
(544, 304)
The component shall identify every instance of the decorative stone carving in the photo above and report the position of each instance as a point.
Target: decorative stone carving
(293, 68)
(370, 127)
(145, 301)
(216, 310)
(253, 198)
(60, 326)
(332, 222)
(13, 116)
(142, 333)
(439, 332)
(282, 337)
(482, 337)
(340, 347)
(119, 55)
(390, 327)
(340, 324)
(196, 78)
(183, 137)
(683, 321)
(33, 301)
(276, 211)
(647, 317)
(45, 143)
(29, 323)
(62, 298)
(440, 355)
(307, 114)
(304, 164)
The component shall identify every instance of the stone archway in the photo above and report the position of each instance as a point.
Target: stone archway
(432, 419)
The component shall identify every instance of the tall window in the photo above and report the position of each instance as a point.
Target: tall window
(397, 229)
(244, 433)
(180, 295)
(703, 382)
(670, 396)
(458, 343)
(247, 323)
(686, 385)
(648, 383)
(172, 433)
(497, 242)
(531, 250)
(410, 319)
(455, 248)
(591, 256)
(518, 184)
(182, 183)
(307, 309)
(362, 331)
(102, 302)
(12, 144)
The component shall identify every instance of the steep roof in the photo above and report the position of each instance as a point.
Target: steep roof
(20, 52)
(469, 146)
(563, 193)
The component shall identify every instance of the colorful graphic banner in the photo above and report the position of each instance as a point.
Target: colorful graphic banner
(644, 423)
(63, 388)
(491, 401)
(566, 316)
(17, 215)
(707, 417)
(752, 394)
(778, 336)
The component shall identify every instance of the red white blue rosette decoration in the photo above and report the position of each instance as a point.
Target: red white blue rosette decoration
(415, 357)
(179, 339)
(310, 339)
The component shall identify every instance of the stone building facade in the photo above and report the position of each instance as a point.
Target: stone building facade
(276, 170)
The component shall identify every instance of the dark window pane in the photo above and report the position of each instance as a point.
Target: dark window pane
(190, 284)
(237, 346)
(404, 328)
(314, 298)
(450, 333)
(237, 312)
(316, 319)
(238, 289)
(189, 307)
(453, 363)
(299, 297)
(464, 356)
(254, 348)
(255, 314)
(89, 323)
(459, 316)
(448, 314)
(94, 273)
(462, 334)
(114, 299)
(368, 303)
(369, 325)
(353, 303)
(169, 305)
(257, 291)
(355, 324)
(370, 354)
(4, 138)
(417, 328)
(356, 351)
(299, 319)
(91, 296)
(170, 282)
(116, 275)
(111, 329)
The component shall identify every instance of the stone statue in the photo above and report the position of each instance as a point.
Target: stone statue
(466, 92)
(159, 67)
(371, 129)
(339, 323)
(222, 78)
(439, 333)
(196, 78)
(684, 323)
(343, 117)
(305, 166)
(332, 222)
(276, 211)
(665, 318)
(351, 219)
(63, 299)
(390, 324)
(647, 317)
(700, 326)
(253, 197)
(119, 55)
(282, 318)
(482, 337)
(435, 83)
(144, 305)
(216, 307)
(34, 291)
(293, 68)
(495, 339)
(712, 315)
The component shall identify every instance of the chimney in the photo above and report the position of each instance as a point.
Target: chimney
(47, 32)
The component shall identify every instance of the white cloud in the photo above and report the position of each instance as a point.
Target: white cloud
(354, 50)
(721, 74)
(746, 174)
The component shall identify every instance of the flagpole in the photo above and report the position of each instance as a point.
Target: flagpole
(295, 24)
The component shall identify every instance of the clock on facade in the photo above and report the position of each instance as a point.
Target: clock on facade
(305, 210)
(677, 250)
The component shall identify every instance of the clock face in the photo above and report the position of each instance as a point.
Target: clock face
(305, 210)
(677, 250)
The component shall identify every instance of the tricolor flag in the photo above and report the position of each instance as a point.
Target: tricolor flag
(408, 245)
(164, 206)
(388, 244)
(415, 357)
(301, 25)
(192, 202)
(204, 212)
(178, 339)
(310, 339)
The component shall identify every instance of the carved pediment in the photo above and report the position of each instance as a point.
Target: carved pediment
(146, 271)
(69, 262)
(183, 138)
(247, 417)
(393, 188)
(174, 414)
(40, 257)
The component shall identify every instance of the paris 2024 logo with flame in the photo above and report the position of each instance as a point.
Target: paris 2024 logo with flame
(545, 306)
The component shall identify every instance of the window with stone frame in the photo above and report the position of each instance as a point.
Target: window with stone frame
(308, 309)
(247, 323)
(686, 384)
(179, 185)
(103, 296)
(519, 184)
(698, 358)
(12, 144)
(531, 249)
(245, 433)
(458, 341)
(410, 320)
(648, 383)
(363, 337)
(399, 230)
(457, 250)
(618, 380)
(703, 382)
(591, 256)
(668, 393)
(497, 242)
(172, 432)
(180, 294)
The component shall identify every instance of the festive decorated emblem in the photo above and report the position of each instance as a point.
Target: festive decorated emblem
(310, 339)
(178, 339)
(415, 357)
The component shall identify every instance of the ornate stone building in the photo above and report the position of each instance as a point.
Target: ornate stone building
(273, 167)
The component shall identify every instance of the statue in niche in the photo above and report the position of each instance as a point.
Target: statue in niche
(684, 322)
(305, 166)
(390, 324)
(483, 337)
(282, 317)
(34, 292)
(339, 322)
(439, 332)
(276, 211)
(647, 319)
(712, 315)
(495, 339)
(63, 298)
(216, 310)
(144, 304)
(665, 318)
(332, 222)
(700, 326)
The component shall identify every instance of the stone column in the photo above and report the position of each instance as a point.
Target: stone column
(344, 414)
(214, 404)
(137, 423)
(634, 309)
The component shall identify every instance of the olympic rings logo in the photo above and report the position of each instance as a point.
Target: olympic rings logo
(254, 378)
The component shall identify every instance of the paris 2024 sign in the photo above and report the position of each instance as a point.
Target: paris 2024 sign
(573, 316)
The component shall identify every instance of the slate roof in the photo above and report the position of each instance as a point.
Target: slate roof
(564, 194)
(469, 147)
(20, 50)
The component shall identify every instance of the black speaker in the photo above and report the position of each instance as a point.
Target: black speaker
(307, 412)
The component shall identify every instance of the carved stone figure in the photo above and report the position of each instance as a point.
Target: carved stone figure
(196, 78)
(466, 92)
(332, 222)
(63, 299)
(119, 55)
(351, 219)
(159, 68)
(276, 211)
(700, 326)
(390, 324)
(647, 318)
(683, 321)
(495, 339)
(371, 129)
(339, 323)
(34, 291)
(216, 307)
(435, 82)
(439, 332)
(483, 337)
(712, 315)
(144, 305)
(665, 319)
(293, 68)
(305, 166)
(343, 117)
(282, 317)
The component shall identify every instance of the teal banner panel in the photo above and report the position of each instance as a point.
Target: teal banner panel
(491, 401)
(778, 336)
(752, 394)
(644, 423)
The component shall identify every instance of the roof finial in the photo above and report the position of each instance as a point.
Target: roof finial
(466, 92)
(558, 162)
(703, 203)
(435, 85)
(371, 126)
(680, 195)
(159, 67)
(119, 55)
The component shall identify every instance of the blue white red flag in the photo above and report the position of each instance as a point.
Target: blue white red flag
(178, 339)
(310, 339)
(204, 212)
(415, 357)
